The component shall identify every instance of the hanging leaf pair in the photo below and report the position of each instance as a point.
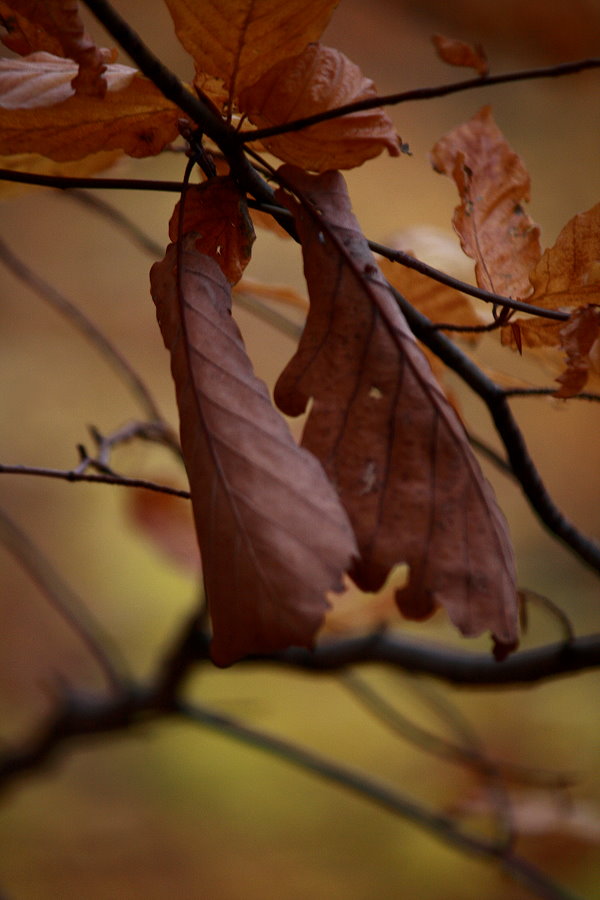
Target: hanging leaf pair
(396, 481)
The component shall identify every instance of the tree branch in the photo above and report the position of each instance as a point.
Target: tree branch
(569, 68)
(72, 475)
(452, 666)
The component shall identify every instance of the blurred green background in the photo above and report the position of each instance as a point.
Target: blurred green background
(176, 809)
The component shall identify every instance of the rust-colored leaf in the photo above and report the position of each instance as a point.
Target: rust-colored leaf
(578, 338)
(239, 40)
(316, 80)
(273, 535)
(568, 274)
(39, 26)
(23, 36)
(134, 117)
(216, 210)
(493, 184)
(459, 53)
(387, 437)
(567, 277)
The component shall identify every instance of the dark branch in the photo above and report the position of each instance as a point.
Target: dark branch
(521, 462)
(71, 475)
(453, 666)
(430, 93)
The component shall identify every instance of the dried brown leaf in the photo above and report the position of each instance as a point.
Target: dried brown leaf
(578, 338)
(316, 80)
(40, 26)
(216, 210)
(459, 53)
(273, 535)
(239, 40)
(567, 277)
(493, 184)
(134, 117)
(385, 433)
(24, 36)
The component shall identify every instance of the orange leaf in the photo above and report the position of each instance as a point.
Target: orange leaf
(459, 53)
(134, 117)
(38, 25)
(566, 277)
(273, 535)
(217, 212)
(493, 183)
(238, 40)
(568, 274)
(387, 437)
(317, 80)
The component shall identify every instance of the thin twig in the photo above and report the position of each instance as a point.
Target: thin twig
(72, 475)
(468, 753)
(121, 221)
(569, 68)
(382, 794)
(411, 262)
(72, 182)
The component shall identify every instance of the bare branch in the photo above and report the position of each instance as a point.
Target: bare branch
(569, 68)
(72, 475)
(452, 666)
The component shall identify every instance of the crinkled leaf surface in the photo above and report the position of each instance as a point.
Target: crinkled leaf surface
(386, 435)
(273, 535)
(493, 184)
(239, 40)
(135, 117)
(318, 79)
(567, 277)
(216, 210)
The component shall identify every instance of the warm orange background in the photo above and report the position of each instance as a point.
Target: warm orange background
(175, 810)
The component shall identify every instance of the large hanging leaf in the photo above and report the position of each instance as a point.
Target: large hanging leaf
(238, 40)
(493, 184)
(273, 535)
(386, 435)
(319, 79)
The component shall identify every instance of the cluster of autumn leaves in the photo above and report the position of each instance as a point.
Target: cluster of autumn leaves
(385, 474)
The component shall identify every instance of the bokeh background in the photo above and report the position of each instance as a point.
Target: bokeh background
(176, 809)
